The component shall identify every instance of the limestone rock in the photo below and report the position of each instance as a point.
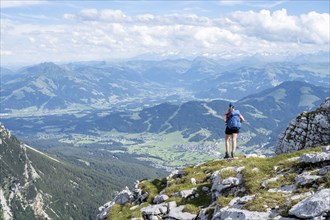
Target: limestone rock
(104, 210)
(188, 193)
(309, 129)
(176, 174)
(219, 185)
(154, 210)
(315, 158)
(254, 156)
(284, 189)
(306, 178)
(324, 170)
(232, 213)
(160, 198)
(124, 197)
(166, 211)
(177, 213)
(314, 206)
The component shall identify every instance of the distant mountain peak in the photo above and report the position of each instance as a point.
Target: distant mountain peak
(47, 68)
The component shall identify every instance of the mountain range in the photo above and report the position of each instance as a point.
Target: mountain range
(97, 126)
(172, 129)
(50, 87)
(267, 113)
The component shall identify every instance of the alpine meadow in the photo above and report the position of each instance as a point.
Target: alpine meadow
(116, 110)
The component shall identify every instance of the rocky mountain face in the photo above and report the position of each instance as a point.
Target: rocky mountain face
(20, 189)
(34, 185)
(309, 129)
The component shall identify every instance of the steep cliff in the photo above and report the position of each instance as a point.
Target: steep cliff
(309, 129)
(34, 185)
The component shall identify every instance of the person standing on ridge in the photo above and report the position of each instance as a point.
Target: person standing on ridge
(233, 119)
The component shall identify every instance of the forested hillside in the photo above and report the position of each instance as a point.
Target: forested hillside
(36, 186)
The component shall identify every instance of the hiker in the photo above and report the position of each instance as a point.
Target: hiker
(233, 119)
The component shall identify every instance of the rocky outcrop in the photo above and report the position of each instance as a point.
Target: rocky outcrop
(309, 129)
(304, 182)
(314, 206)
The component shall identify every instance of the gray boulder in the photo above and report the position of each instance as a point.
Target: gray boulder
(188, 193)
(104, 210)
(324, 170)
(239, 214)
(166, 211)
(177, 213)
(176, 174)
(284, 189)
(306, 178)
(160, 198)
(154, 210)
(315, 158)
(219, 185)
(124, 197)
(314, 206)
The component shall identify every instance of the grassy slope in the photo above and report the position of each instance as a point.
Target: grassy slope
(251, 179)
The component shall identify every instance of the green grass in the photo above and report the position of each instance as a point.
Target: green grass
(287, 179)
(223, 201)
(256, 171)
(151, 187)
(264, 200)
(227, 173)
(191, 209)
(119, 212)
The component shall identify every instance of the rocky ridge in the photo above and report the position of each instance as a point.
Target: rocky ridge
(34, 185)
(19, 188)
(309, 129)
(288, 186)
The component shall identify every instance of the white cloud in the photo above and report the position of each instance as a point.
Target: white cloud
(279, 26)
(256, 4)
(6, 52)
(20, 3)
(95, 34)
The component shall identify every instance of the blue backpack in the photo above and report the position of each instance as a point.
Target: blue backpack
(233, 120)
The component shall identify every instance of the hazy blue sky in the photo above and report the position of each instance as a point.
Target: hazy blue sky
(64, 31)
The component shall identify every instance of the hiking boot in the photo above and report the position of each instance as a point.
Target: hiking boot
(226, 156)
(232, 154)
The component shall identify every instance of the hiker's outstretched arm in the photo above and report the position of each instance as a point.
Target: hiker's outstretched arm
(241, 117)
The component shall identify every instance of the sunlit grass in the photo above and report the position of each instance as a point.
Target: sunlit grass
(256, 170)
